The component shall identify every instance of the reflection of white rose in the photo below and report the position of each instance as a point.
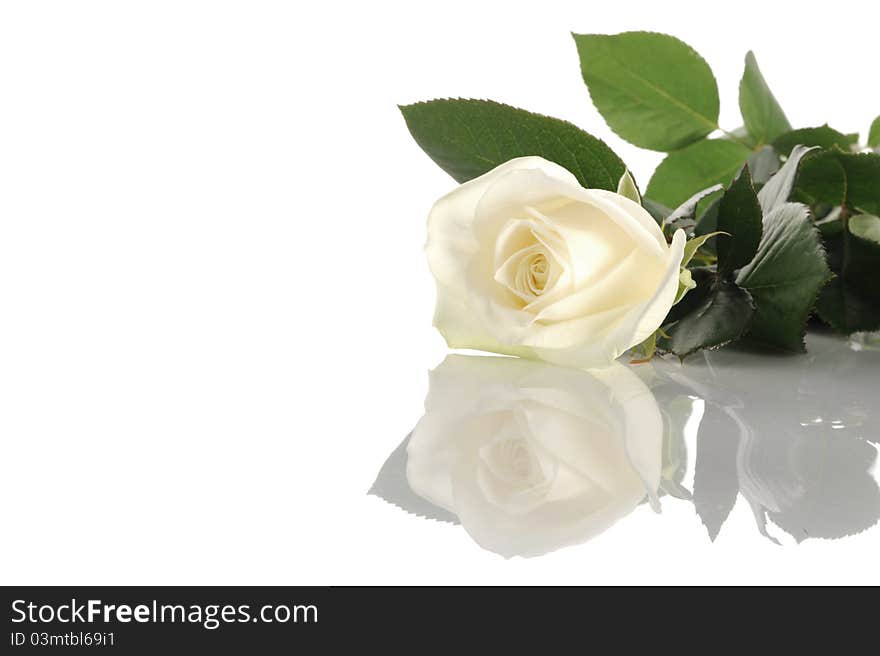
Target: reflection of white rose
(533, 457)
(530, 263)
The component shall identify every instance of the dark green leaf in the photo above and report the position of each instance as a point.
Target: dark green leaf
(785, 277)
(821, 180)
(778, 188)
(470, 137)
(701, 165)
(705, 278)
(652, 89)
(874, 134)
(862, 180)
(763, 116)
(722, 316)
(739, 215)
(845, 310)
(823, 137)
(707, 222)
(851, 302)
(834, 177)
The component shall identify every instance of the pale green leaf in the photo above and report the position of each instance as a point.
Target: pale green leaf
(701, 165)
(627, 187)
(761, 113)
(652, 89)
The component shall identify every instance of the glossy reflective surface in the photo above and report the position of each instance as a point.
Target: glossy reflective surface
(531, 458)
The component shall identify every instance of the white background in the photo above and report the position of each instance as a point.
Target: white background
(215, 315)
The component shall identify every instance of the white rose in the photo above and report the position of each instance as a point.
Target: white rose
(530, 263)
(533, 457)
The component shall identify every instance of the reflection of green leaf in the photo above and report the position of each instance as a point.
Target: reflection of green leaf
(392, 486)
(739, 215)
(467, 138)
(716, 481)
(676, 414)
(652, 89)
(762, 114)
(701, 165)
(785, 277)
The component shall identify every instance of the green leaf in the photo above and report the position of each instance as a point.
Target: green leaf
(820, 180)
(627, 187)
(645, 350)
(685, 284)
(762, 115)
(785, 277)
(696, 167)
(467, 138)
(721, 317)
(851, 302)
(778, 189)
(874, 134)
(652, 89)
(866, 226)
(708, 222)
(862, 180)
(739, 215)
(845, 310)
(704, 278)
(834, 177)
(823, 137)
(693, 245)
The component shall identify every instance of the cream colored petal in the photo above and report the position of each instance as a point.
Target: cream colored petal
(636, 211)
(451, 237)
(632, 279)
(462, 322)
(633, 327)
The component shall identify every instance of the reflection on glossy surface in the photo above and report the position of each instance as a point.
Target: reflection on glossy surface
(792, 435)
(531, 457)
